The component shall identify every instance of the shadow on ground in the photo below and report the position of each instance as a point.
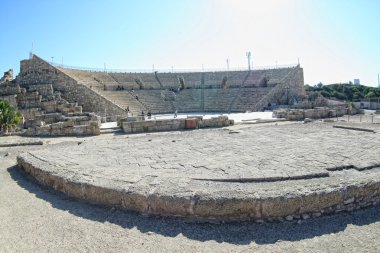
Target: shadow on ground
(235, 233)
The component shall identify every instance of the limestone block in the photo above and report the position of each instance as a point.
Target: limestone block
(77, 109)
(68, 123)
(119, 121)
(332, 113)
(93, 123)
(163, 122)
(39, 123)
(56, 131)
(96, 130)
(31, 131)
(57, 125)
(136, 118)
(9, 90)
(68, 130)
(83, 122)
(137, 130)
(43, 131)
(182, 124)
(126, 128)
(152, 129)
(199, 118)
(79, 130)
(144, 123)
(307, 120)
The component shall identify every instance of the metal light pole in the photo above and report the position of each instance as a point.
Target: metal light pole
(31, 52)
(287, 94)
(228, 65)
(248, 54)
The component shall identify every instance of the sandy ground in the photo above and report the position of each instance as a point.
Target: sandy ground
(37, 219)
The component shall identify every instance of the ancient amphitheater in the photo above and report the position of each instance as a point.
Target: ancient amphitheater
(111, 93)
(276, 171)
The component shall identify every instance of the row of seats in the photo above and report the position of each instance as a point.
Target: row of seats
(125, 100)
(153, 101)
(143, 91)
(129, 81)
(249, 97)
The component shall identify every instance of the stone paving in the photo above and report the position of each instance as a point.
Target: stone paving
(36, 219)
(221, 173)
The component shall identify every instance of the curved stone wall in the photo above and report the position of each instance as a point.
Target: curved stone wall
(222, 175)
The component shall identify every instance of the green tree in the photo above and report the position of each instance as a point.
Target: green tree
(325, 93)
(308, 88)
(356, 95)
(339, 95)
(9, 116)
(370, 94)
(344, 91)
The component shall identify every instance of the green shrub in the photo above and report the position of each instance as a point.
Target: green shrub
(9, 116)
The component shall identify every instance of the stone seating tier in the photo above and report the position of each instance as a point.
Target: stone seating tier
(202, 91)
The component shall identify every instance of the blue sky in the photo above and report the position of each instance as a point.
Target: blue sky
(335, 40)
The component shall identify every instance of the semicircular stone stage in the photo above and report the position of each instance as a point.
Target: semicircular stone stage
(259, 172)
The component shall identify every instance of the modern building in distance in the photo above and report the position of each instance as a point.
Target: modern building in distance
(356, 81)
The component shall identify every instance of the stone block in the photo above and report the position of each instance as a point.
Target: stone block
(31, 131)
(43, 131)
(79, 130)
(307, 120)
(68, 123)
(57, 125)
(93, 123)
(191, 123)
(136, 118)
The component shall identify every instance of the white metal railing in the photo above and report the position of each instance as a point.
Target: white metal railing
(170, 70)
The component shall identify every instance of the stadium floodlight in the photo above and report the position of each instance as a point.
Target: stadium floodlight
(248, 54)
(31, 52)
(228, 66)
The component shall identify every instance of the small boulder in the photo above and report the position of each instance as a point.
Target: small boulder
(307, 120)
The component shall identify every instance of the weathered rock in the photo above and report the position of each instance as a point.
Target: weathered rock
(307, 120)
(7, 77)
